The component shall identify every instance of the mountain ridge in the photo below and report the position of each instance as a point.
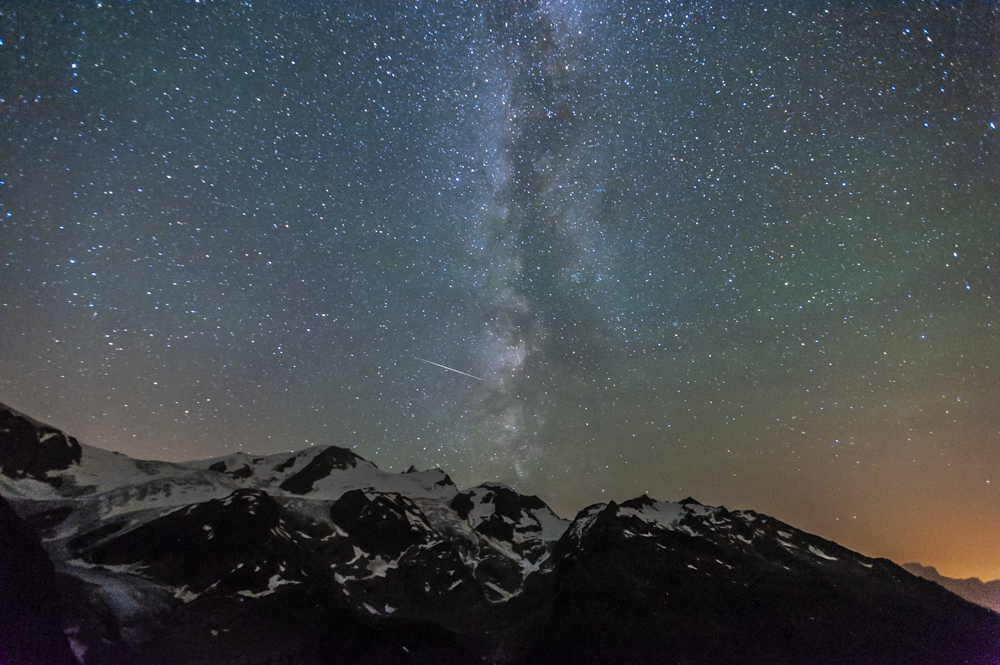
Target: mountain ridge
(322, 555)
(973, 589)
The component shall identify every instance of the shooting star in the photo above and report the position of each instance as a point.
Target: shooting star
(450, 369)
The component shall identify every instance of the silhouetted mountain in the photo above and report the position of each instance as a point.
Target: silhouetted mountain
(321, 557)
(972, 589)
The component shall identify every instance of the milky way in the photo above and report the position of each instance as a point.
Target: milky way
(743, 253)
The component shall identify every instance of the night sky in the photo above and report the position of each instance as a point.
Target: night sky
(742, 252)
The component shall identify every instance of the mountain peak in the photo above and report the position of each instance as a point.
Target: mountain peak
(330, 459)
(29, 448)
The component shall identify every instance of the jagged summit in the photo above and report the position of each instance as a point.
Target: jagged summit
(319, 556)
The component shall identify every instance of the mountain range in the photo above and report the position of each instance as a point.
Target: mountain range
(972, 589)
(318, 557)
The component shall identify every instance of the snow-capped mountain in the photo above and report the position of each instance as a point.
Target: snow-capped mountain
(320, 557)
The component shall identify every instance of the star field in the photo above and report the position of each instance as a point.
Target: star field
(743, 253)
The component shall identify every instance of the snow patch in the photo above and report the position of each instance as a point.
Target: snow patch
(553, 526)
(668, 515)
(272, 585)
(78, 648)
(358, 554)
(379, 566)
(503, 593)
(821, 554)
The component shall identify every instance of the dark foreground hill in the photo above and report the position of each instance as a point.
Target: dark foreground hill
(320, 557)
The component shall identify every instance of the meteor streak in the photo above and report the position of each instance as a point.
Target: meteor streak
(450, 369)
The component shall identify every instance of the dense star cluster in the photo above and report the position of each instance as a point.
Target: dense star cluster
(745, 253)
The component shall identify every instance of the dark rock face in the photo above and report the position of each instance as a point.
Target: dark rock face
(236, 543)
(379, 525)
(285, 465)
(243, 472)
(85, 540)
(31, 607)
(392, 560)
(629, 593)
(30, 448)
(321, 466)
(298, 628)
(508, 507)
(44, 521)
(462, 505)
(507, 521)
